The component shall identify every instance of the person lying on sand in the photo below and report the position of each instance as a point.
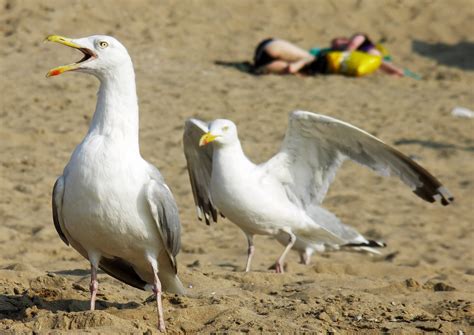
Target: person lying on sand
(278, 56)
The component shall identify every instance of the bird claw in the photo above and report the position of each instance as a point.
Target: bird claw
(161, 327)
(278, 268)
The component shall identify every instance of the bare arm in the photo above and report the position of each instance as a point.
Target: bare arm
(295, 67)
(390, 68)
(355, 42)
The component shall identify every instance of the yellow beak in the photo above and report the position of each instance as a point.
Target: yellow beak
(206, 139)
(68, 42)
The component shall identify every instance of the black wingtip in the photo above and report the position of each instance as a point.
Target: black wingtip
(376, 244)
(446, 196)
(440, 194)
(369, 244)
(430, 189)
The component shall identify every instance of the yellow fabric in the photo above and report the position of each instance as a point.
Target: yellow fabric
(353, 63)
(383, 50)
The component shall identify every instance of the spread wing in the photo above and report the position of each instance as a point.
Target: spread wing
(315, 146)
(165, 213)
(199, 163)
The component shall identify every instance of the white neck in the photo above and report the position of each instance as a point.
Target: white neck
(230, 157)
(116, 113)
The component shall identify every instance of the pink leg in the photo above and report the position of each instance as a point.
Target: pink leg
(306, 257)
(94, 286)
(279, 262)
(250, 252)
(157, 291)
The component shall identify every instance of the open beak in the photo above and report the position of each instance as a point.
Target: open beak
(88, 55)
(206, 139)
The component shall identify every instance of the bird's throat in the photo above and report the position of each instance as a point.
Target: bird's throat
(116, 115)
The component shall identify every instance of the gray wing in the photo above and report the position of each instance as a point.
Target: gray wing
(57, 204)
(165, 213)
(315, 146)
(58, 218)
(199, 163)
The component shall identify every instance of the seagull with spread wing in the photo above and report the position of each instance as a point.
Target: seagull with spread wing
(110, 204)
(282, 197)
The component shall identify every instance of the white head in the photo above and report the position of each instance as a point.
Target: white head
(102, 55)
(221, 132)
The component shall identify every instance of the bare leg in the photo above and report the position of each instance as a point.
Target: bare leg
(279, 262)
(157, 291)
(277, 67)
(295, 67)
(289, 58)
(94, 285)
(284, 50)
(250, 252)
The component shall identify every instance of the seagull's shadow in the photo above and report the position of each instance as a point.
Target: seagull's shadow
(243, 66)
(456, 55)
(14, 307)
(75, 272)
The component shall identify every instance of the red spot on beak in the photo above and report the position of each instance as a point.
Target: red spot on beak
(55, 73)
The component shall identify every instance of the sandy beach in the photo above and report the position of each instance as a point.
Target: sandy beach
(189, 62)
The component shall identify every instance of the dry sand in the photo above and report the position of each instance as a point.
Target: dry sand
(422, 283)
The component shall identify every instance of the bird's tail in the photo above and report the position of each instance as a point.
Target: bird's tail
(171, 283)
(369, 246)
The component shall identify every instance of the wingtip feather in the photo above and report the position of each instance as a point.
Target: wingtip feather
(199, 213)
(446, 196)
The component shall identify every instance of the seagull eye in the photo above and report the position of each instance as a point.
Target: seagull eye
(103, 44)
(225, 128)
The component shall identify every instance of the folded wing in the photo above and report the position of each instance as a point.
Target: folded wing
(57, 204)
(199, 163)
(165, 214)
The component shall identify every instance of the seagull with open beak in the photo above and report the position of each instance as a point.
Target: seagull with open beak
(110, 204)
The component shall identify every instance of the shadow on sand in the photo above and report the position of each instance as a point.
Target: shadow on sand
(458, 55)
(14, 307)
(243, 66)
(75, 272)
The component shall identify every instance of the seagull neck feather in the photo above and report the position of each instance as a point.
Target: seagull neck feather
(116, 113)
(231, 156)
